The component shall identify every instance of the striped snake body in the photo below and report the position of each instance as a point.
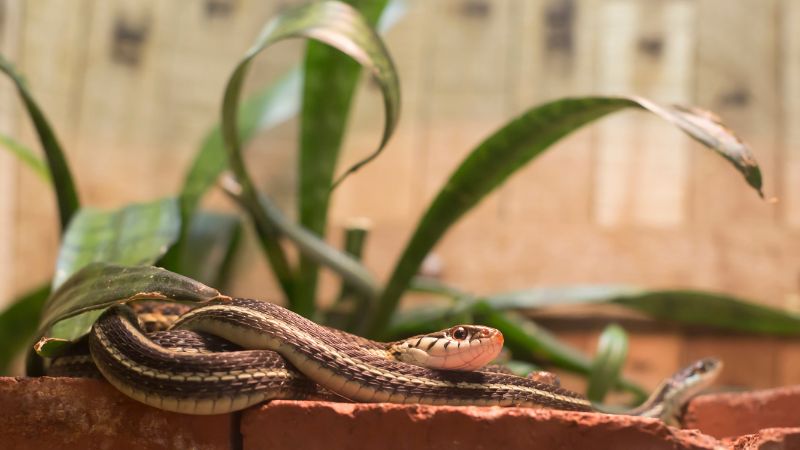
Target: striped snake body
(186, 370)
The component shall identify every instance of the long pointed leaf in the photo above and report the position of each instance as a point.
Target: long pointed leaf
(331, 78)
(516, 144)
(27, 156)
(714, 310)
(337, 25)
(66, 195)
(687, 307)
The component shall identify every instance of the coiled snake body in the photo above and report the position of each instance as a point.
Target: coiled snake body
(191, 370)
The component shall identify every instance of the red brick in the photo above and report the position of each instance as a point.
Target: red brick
(737, 414)
(329, 426)
(73, 413)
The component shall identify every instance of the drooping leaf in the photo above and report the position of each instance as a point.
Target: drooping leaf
(75, 305)
(516, 144)
(27, 156)
(335, 24)
(18, 324)
(66, 195)
(612, 349)
(137, 234)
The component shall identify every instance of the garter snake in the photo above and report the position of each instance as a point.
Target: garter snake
(274, 353)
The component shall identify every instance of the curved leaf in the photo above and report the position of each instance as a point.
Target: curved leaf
(267, 108)
(65, 192)
(88, 292)
(332, 23)
(331, 78)
(516, 144)
(27, 156)
(612, 349)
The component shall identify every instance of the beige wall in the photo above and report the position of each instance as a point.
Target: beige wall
(131, 86)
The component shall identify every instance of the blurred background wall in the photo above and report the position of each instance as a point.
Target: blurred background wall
(133, 85)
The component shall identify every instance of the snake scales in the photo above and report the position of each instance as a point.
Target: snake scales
(201, 366)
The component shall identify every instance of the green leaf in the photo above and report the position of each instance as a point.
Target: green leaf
(331, 78)
(268, 218)
(546, 296)
(612, 349)
(18, 324)
(210, 247)
(687, 307)
(267, 108)
(138, 234)
(529, 342)
(713, 310)
(27, 156)
(72, 309)
(516, 144)
(66, 195)
(332, 23)
(346, 311)
(135, 234)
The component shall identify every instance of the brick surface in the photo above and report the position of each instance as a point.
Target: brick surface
(328, 426)
(768, 439)
(72, 413)
(69, 413)
(737, 414)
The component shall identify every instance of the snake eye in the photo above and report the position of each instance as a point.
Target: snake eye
(460, 333)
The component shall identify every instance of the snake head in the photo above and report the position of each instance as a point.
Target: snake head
(701, 372)
(462, 347)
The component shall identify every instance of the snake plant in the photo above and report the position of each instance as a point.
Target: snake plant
(175, 234)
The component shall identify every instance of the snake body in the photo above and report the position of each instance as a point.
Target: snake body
(200, 365)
